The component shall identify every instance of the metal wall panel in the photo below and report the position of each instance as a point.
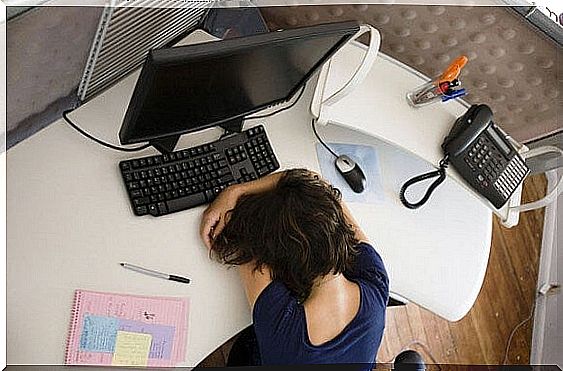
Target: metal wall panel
(127, 31)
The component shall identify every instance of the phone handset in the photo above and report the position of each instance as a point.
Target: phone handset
(467, 128)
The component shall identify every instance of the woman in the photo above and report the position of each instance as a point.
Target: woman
(317, 289)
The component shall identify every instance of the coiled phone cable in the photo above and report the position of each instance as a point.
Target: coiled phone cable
(440, 173)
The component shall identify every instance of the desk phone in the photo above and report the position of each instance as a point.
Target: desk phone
(479, 151)
(482, 155)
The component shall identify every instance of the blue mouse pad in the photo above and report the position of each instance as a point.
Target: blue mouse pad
(366, 158)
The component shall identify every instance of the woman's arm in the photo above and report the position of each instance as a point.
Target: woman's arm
(214, 217)
(359, 234)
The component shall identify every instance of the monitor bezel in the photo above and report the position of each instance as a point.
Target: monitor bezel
(161, 58)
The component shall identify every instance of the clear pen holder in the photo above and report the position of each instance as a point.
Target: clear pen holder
(425, 94)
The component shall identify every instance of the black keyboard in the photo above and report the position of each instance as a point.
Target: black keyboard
(163, 184)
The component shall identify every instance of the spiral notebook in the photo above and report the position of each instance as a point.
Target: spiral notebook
(127, 330)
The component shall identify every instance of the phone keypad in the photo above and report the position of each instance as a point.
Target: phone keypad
(494, 174)
(511, 177)
(484, 159)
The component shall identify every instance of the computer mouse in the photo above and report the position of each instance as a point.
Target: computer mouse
(351, 172)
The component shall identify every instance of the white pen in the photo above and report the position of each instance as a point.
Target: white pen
(150, 272)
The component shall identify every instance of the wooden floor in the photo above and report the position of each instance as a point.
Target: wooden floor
(506, 299)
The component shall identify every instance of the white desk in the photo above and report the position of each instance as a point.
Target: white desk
(378, 107)
(70, 224)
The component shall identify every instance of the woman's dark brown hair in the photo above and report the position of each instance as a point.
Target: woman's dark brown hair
(298, 230)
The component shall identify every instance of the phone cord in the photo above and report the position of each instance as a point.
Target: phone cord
(440, 173)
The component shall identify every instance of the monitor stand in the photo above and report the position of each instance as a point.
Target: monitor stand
(167, 144)
(232, 127)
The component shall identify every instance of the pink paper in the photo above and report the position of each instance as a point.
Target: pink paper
(132, 311)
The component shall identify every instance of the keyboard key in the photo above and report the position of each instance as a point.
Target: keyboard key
(225, 179)
(141, 210)
(209, 195)
(141, 201)
(187, 202)
(162, 207)
(263, 171)
(153, 210)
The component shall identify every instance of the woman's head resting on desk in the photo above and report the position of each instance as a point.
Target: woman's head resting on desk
(298, 230)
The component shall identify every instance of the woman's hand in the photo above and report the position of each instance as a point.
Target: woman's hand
(214, 217)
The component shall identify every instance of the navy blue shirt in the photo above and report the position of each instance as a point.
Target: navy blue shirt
(281, 327)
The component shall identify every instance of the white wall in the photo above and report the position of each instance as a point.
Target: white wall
(547, 339)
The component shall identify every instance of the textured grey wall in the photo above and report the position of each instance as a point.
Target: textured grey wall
(512, 67)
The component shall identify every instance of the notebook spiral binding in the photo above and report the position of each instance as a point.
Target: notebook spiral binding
(73, 325)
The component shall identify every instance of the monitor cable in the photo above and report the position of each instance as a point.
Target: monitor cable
(144, 146)
(101, 142)
(313, 122)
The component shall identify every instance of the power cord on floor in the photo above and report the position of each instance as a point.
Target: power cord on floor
(99, 141)
(516, 328)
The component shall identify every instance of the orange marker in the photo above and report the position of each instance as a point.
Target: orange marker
(452, 72)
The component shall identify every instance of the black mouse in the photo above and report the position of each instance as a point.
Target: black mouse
(351, 172)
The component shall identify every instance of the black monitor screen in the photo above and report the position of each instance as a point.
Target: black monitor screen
(183, 91)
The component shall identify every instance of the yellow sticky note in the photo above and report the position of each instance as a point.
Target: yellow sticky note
(131, 349)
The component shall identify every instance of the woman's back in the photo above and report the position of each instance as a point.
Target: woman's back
(332, 305)
(318, 294)
(282, 330)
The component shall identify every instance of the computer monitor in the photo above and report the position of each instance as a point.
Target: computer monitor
(189, 88)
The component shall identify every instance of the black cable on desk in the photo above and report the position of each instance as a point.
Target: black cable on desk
(440, 173)
(313, 122)
(91, 137)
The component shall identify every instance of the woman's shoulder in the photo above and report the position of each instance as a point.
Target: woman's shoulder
(275, 301)
(369, 270)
